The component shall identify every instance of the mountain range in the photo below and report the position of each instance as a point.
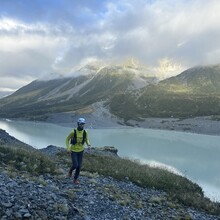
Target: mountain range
(128, 92)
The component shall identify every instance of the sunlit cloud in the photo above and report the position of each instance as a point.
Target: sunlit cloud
(66, 36)
(10, 83)
(6, 90)
(180, 44)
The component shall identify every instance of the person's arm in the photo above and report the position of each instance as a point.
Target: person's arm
(68, 140)
(87, 140)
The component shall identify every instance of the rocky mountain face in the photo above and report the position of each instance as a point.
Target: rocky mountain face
(127, 92)
(41, 98)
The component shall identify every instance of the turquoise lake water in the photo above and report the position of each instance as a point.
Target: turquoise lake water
(192, 155)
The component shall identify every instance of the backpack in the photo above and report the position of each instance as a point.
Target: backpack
(73, 140)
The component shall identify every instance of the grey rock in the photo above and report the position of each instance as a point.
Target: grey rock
(27, 215)
(52, 150)
(7, 204)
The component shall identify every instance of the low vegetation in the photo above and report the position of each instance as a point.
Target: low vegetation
(32, 161)
(179, 189)
(162, 103)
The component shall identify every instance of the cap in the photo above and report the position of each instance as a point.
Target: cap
(81, 121)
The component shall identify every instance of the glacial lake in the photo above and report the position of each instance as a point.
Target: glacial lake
(194, 156)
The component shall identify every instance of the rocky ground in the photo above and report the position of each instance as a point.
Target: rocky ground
(47, 196)
(199, 125)
(96, 198)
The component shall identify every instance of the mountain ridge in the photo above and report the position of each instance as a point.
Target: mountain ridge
(129, 93)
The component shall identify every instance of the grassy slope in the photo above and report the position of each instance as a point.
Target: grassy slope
(195, 92)
(179, 189)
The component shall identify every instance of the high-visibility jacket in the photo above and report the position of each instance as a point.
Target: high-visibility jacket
(79, 146)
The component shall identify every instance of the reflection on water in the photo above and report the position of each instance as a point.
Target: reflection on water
(192, 155)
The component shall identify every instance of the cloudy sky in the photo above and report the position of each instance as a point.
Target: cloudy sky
(40, 38)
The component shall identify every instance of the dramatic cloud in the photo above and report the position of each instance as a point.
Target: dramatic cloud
(39, 38)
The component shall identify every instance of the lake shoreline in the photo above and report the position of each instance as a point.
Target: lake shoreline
(199, 125)
(148, 142)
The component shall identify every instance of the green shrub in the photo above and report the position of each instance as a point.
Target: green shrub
(178, 188)
(26, 160)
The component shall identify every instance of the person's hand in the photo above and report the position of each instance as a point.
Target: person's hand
(68, 151)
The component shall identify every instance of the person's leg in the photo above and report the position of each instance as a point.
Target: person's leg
(74, 162)
(79, 164)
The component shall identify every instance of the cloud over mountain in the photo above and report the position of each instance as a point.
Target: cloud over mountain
(39, 38)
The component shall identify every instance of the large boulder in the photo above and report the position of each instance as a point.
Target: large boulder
(105, 151)
(52, 150)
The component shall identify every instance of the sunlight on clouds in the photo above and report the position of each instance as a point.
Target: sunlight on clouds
(12, 26)
(14, 82)
(6, 90)
(183, 32)
(16, 35)
(74, 70)
(31, 49)
(168, 68)
(203, 17)
(19, 43)
(213, 56)
(139, 33)
(180, 44)
(8, 24)
(108, 41)
(89, 60)
(191, 18)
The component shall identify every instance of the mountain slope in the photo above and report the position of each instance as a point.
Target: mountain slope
(205, 79)
(195, 92)
(128, 92)
(41, 98)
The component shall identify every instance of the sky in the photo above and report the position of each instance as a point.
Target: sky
(46, 38)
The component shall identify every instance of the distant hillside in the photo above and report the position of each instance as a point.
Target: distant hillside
(195, 92)
(127, 92)
(199, 79)
(39, 99)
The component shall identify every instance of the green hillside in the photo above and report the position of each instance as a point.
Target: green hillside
(128, 93)
(195, 92)
(39, 99)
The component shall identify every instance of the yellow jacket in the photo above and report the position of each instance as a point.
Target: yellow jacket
(78, 147)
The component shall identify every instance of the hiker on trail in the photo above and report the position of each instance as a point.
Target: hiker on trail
(75, 145)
